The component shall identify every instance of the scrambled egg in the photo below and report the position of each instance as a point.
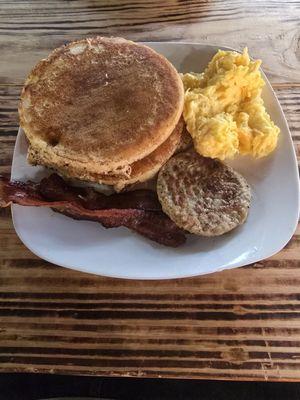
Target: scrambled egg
(224, 111)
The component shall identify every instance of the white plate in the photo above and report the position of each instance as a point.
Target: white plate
(88, 247)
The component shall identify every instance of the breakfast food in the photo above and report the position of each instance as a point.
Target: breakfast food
(112, 112)
(224, 111)
(139, 211)
(201, 195)
(185, 141)
(145, 169)
(96, 106)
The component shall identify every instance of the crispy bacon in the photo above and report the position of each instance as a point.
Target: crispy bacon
(139, 211)
(55, 188)
(24, 194)
(156, 226)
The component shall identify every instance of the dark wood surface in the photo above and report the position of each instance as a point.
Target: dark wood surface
(241, 324)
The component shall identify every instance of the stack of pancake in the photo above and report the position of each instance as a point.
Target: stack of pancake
(109, 111)
(103, 110)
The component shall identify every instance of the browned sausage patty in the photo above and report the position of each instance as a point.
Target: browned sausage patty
(202, 195)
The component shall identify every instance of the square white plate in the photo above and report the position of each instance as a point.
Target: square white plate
(88, 247)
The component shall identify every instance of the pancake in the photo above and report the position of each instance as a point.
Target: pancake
(185, 141)
(146, 168)
(202, 195)
(139, 171)
(98, 105)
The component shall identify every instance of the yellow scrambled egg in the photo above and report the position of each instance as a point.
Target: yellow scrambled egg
(224, 111)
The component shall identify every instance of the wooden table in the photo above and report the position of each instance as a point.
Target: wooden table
(241, 324)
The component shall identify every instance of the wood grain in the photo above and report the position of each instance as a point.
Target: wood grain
(231, 325)
(241, 325)
(29, 29)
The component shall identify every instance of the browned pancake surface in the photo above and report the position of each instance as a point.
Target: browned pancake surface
(139, 171)
(100, 104)
(147, 167)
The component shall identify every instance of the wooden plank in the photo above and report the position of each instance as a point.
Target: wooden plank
(29, 29)
(231, 325)
(244, 325)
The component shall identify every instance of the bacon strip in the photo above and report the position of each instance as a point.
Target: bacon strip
(144, 216)
(55, 188)
(24, 194)
(156, 226)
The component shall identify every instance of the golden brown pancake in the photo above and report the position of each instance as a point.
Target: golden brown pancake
(98, 105)
(144, 169)
(139, 171)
